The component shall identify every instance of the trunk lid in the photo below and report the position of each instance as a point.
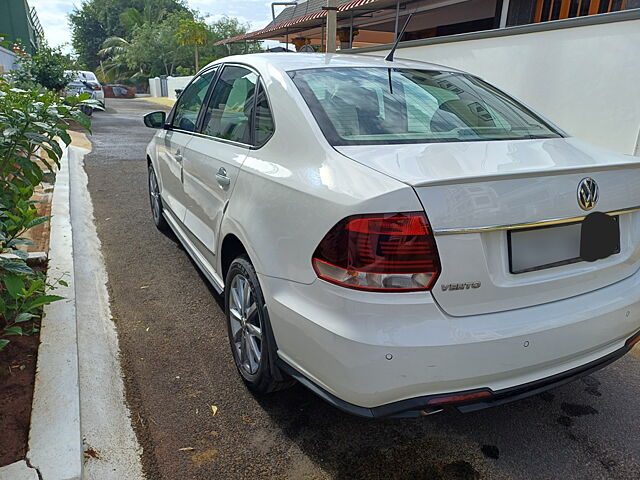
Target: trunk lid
(472, 191)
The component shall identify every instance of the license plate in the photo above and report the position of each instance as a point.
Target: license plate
(596, 237)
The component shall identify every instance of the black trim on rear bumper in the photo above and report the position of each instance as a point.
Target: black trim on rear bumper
(418, 406)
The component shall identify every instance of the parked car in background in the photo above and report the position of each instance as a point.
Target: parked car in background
(400, 237)
(91, 81)
(75, 89)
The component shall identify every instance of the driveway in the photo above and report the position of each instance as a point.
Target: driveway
(178, 365)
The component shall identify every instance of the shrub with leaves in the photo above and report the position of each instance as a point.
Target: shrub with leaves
(33, 125)
(45, 69)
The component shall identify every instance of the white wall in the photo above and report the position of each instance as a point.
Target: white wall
(7, 60)
(154, 87)
(176, 82)
(584, 78)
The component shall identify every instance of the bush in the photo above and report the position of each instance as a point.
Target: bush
(32, 123)
(45, 69)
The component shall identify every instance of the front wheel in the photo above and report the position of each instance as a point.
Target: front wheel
(249, 329)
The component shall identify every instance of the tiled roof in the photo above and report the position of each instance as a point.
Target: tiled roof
(295, 15)
(300, 10)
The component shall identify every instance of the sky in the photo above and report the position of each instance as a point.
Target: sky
(53, 15)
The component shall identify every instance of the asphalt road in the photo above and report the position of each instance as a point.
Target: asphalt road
(178, 364)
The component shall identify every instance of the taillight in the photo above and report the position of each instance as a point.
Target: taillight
(386, 252)
(96, 86)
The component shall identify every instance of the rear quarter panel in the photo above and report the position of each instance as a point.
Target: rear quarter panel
(294, 189)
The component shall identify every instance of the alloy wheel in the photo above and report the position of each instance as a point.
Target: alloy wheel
(154, 195)
(246, 327)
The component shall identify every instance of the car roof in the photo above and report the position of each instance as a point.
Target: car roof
(299, 61)
(79, 72)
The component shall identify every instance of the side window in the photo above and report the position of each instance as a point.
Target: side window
(264, 127)
(230, 108)
(191, 101)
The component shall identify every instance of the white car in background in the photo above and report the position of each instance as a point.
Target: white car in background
(399, 237)
(90, 80)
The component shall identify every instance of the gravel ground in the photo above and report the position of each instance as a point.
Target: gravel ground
(178, 365)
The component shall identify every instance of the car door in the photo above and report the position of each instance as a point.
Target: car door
(172, 142)
(214, 157)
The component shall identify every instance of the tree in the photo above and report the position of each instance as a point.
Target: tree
(153, 50)
(96, 20)
(87, 36)
(192, 32)
(227, 27)
(117, 66)
(132, 18)
(161, 43)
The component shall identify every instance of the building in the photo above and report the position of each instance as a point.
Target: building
(7, 60)
(575, 61)
(19, 23)
(365, 23)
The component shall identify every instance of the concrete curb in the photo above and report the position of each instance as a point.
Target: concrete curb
(18, 471)
(55, 442)
(105, 419)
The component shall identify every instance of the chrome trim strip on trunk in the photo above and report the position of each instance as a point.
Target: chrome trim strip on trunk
(520, 226)
(527, 174)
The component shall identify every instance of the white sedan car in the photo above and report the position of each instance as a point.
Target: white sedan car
(399, 237)
(90, 80)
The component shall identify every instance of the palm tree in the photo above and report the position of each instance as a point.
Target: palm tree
(116, 66)
(191, 32)
(132, 17)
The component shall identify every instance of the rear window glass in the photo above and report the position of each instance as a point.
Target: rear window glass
(82, 76)
(363, 106)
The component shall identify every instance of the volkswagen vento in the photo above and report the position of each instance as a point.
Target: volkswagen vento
(398, 236)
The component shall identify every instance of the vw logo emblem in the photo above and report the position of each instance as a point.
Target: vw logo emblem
(587, 193)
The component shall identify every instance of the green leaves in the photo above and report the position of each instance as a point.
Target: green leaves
(23, 317)
(15, 330)
(82, 119)
(33, 131)
(40, 301)
(43, 70)
(37, 221)
(14, 285)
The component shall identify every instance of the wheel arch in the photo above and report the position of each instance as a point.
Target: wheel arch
(231, 248)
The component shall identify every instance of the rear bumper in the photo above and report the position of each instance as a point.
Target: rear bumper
(372, 350)
(421, 406)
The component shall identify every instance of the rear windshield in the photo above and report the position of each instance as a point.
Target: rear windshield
(364, 106)
(82, 76)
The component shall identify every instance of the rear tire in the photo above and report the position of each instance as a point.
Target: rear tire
(156, 202)
(249, 330)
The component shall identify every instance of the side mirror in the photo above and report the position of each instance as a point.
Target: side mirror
(155, 119)
(178, 91)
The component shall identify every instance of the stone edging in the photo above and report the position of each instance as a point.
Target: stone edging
(55, 442)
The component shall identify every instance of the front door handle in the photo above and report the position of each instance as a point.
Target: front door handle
(222, 177)
(178, 157)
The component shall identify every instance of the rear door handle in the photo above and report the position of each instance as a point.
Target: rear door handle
(178, 156)
(222, 177)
